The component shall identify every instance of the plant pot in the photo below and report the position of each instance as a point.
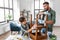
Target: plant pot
(53, 37)
(8, 21)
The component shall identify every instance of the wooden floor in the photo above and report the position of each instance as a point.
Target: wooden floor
(56, 31)
(4, 36)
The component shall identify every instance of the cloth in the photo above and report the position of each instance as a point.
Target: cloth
(41, 21)
(24, 29)
(51, 16)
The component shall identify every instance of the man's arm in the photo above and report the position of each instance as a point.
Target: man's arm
(53, 19)
(49, 22)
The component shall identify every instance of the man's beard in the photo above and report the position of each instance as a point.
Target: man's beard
(46, 9)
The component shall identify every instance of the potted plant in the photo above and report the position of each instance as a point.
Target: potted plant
(53, 37)
(9, 17)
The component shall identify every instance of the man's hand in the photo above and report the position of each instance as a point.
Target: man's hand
(49, 22)
(41, 13)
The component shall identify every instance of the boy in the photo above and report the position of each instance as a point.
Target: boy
(25, 27)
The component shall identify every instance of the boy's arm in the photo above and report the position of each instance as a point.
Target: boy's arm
(29, 30)
(33, 27)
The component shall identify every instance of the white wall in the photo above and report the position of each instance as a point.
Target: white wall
(16, 8)
(4, 27)
(25, 4)
(56, 7)
(28, 5)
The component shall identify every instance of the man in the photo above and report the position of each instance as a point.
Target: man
(51, 17)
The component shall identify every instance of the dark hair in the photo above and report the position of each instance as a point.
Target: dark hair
(21, 19)
(46, 3)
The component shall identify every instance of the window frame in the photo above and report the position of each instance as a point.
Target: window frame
(8, 9)
(37, 9)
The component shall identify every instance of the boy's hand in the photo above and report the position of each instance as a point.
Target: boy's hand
(34, 26)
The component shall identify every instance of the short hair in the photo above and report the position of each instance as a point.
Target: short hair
(21, 19)
(46, 3)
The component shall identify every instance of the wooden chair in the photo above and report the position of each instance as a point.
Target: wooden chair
(38, 35)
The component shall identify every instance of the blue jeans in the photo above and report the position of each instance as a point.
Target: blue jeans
(43, 30)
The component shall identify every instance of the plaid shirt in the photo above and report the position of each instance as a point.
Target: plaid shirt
(52, 17)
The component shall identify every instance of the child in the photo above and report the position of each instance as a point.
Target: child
(25, 27)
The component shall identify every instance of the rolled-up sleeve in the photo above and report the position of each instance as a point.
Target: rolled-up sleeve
(54, 17)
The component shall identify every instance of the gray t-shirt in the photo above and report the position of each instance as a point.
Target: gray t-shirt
(24, 29)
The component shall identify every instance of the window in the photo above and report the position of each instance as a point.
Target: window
(10, 3)
(11, 13)
(38, 6)
(6, 14)
(6, 3)
(1, 3)
(6, 9)
(1, 15)
(41, 4)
